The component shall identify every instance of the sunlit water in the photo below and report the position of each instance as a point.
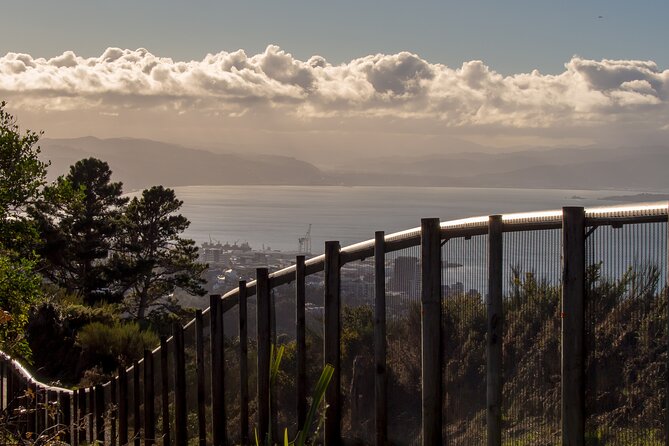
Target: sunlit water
(275, 216)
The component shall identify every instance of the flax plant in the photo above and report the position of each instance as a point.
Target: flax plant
(303, 435)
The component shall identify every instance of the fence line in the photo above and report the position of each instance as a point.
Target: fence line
(220, 396)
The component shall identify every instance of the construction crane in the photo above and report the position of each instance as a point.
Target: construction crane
(305, 242)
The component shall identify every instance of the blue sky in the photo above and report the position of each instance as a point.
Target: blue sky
(510, 36)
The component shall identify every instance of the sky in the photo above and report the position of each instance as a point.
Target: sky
(306, 76)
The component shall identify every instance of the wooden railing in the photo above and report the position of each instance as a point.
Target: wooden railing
(31, 409)
(101, 413)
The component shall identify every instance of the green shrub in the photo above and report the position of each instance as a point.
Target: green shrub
(116, 344)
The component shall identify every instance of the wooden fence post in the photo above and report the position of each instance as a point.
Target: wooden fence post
(217, 370)
(495, 331)
(199, 378)
(263, 311)
(431, 330)
(165, 390)
(180, 417)
(122, 406)
(573, 326)
(332, 342)
(300, 340)
(380, 379)
(149, 400)
(243, 365)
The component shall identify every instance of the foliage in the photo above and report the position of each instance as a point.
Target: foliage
(78, 220)
(116, 344)
(21, 176)
(357, 333)
(305, 433)
(18, 287)
(152, 256)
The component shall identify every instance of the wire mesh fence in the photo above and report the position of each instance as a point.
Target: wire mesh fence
(314, 318)
(625, 362)
(232, 370)
(531, 343)
(357, 350)
(283, 334)
(464, 285)
(626, 334)
(403, 345)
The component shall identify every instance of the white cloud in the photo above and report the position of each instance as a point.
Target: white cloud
(398, 86)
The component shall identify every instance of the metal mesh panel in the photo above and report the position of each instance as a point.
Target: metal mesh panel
(464, 286)
(110, 416)
(283, 329)
(403, 345)
(140, 415)
(158, 397)
(357, 348)
(314, 291)
(252, 305)
(131, 406)
(206, 331)
(170, 377)
(191, 382)
(531, 343)
(232, 375)
(626, 329)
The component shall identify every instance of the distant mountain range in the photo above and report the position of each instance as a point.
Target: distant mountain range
(140, 163)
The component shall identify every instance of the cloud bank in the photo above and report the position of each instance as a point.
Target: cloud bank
(588, 93)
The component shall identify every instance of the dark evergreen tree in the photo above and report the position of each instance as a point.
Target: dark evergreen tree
(79, 220)
(153, 258)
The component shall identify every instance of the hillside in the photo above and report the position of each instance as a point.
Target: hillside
(139, 163)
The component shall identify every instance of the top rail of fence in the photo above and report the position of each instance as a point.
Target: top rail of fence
(467, 227)
(28, 378)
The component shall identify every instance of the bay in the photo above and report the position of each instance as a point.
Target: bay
(276, 216)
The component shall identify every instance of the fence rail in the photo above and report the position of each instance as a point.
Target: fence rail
(574, 290)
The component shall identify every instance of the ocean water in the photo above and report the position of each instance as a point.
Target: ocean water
(276, 216)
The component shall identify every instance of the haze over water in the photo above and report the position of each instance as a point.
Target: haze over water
(275, 216)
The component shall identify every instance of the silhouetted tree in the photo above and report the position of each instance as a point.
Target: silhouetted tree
(78, 220)
(153, 258)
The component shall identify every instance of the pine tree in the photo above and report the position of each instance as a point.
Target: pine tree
(78, 220)
(152, 256)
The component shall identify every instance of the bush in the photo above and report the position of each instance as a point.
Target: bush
(115, 345)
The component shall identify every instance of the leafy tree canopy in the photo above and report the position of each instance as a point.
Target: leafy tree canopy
(22, 175)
